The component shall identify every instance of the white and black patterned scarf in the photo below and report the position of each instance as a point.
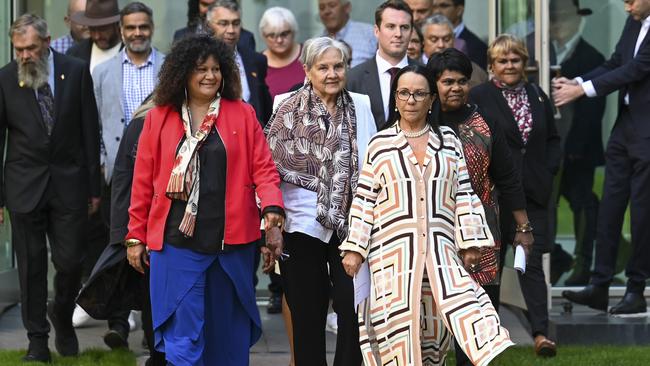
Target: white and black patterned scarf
(318, 152)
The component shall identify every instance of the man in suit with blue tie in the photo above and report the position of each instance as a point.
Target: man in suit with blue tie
(627, 162)
(224, 18)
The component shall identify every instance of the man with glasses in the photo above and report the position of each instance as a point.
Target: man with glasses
(224, 19)
(453, 10)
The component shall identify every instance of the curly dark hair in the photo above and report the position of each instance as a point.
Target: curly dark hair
(179, 64)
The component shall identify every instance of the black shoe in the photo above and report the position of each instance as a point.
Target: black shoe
(632, 303)
(65, 339)
(578, 278)
(596, 297)
(38, 351)
(275, 304)
(116, 338)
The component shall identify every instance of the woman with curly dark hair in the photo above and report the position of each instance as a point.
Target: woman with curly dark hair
(202, 157)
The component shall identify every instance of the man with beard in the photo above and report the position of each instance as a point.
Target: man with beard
(393, 26)
(102, 19)
(51, 177)
(77, 33)
(121, 84)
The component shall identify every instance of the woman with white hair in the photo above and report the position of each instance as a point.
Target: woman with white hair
(316, 136)
(278, 27)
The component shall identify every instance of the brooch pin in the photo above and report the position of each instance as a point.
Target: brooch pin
(21, 84)
(62, 77)
(254, 74)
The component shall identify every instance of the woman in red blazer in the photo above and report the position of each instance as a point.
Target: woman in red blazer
(202, 157)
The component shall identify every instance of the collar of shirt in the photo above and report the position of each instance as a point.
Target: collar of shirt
(341, 33)
(50, 76)
(127, 60)
(562, 53)
(383, 65)
(459, 29)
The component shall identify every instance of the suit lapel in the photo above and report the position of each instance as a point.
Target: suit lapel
(59, 85)
(512, 127)
(29, 96)
(536, 102)
(250, 72)
(374, 91)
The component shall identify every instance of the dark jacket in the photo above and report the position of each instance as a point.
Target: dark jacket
(584, 138)
(364, 79)
(68, 159)
(627, 73)
(113, 284)
(539, 159)
(476, 48)
(255, 67)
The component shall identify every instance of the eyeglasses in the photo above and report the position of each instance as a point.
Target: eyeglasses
(282, 35)
(418, 96)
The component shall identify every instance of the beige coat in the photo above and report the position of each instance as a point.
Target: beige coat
(409, 224)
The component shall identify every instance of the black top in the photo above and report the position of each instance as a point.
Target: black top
(208, 232)
(502, 170)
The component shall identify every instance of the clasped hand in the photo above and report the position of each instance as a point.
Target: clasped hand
(273, 248)
(471, 258)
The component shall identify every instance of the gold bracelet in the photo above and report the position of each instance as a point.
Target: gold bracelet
(132, 242)
(524, 228)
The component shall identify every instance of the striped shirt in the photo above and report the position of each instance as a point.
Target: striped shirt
(138, 81)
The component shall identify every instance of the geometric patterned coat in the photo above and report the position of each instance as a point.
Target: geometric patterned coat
(409, 222)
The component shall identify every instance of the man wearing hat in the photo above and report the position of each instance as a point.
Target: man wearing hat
(580, 129)
(627, 162)
(102, 19)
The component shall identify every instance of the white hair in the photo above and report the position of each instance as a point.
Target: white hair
(314, 48)
(275, 18)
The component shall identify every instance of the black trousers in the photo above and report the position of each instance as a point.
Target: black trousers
(97, 238)
(627, 179)
(306, 282)
(155, 358)
(64, 227)
(577, 187)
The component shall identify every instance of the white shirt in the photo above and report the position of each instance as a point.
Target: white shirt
(459, 29)
(245, 89)
(300, 203)
(97, 55)
(563, 52)
(588, 86)
(384, 78)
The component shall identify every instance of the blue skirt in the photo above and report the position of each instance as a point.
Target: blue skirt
(203, 306)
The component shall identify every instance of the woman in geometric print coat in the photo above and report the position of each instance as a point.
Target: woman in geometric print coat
(418, 224)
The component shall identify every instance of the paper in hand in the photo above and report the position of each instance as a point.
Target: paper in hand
(361, 284)
(520, 259)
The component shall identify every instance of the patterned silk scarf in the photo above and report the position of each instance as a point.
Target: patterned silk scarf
(517, 99)
(184, 180)
(318, 151)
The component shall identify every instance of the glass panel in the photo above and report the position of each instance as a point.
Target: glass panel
(580, 40)
(6, 253)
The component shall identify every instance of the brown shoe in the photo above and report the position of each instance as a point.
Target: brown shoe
(545, 347)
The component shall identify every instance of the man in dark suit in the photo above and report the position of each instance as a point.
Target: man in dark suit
(102, 17)
(453, 10)
(627, 161)
(196, 10)
(224, 18)
(51, 177)
(580, 128)
(393, 27)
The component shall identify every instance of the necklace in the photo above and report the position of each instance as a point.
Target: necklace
(416, 133)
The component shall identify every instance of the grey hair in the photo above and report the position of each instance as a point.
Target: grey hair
(228, 4)
(274, 18)
(436, 19)
(314, 48)
(26, 20)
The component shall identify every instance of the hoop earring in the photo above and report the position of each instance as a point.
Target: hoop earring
(186, 98)
(223, 85)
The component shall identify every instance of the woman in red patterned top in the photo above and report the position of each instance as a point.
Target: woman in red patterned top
(492, 172)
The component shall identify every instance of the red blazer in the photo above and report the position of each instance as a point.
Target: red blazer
(249, 169)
